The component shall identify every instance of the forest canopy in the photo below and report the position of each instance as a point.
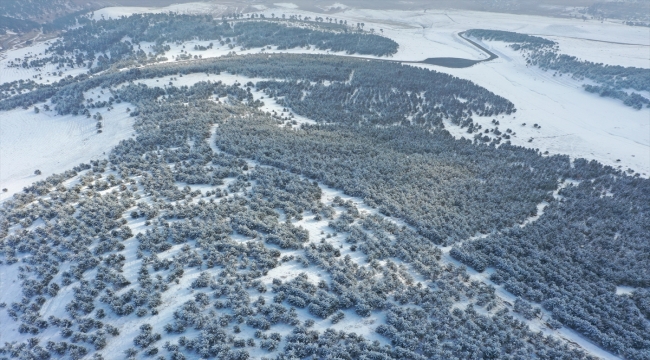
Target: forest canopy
(283, 238)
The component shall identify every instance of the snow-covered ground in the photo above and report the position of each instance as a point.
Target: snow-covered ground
(572, 121)
(54, 143)
(624, 290)
(334, 7)
(635, 55)
(286, 5)
(46, 75)
(187, 8)
(432, 33)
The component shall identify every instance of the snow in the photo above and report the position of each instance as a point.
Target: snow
(572, 121)
(433, 33)
(54, 143)
(11, 292)
(625, 290)
(47, 74)
(604, 52)
(187, 8)
(335, 7)
(286, 5)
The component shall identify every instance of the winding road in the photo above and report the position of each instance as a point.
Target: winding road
(452, 62)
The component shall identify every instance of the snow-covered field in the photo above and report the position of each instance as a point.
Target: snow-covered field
(54, 143)
(635, 55)
(572, 121)
(46, 75)
(187, 8)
